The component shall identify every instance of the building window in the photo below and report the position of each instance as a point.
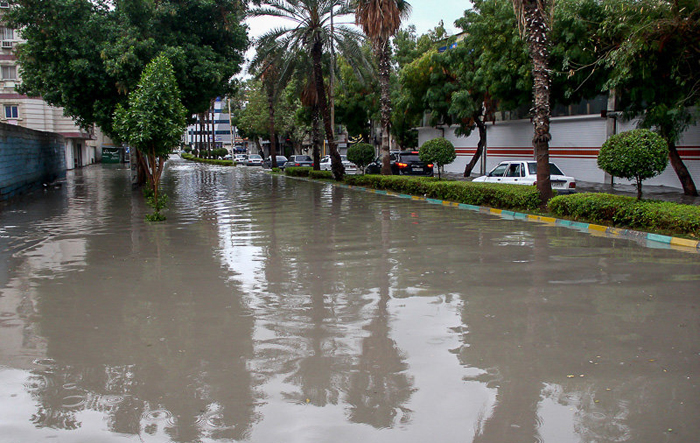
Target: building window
(4, 4)
(11, 111)
(7, 33)
(9, 72)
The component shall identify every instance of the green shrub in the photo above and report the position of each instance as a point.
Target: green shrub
(479, 194)
(295, 171)
(439, 151)
(628, 212)
(276, 170)
(361, 154)
(321, 175)
(635, 155)
(206, 160)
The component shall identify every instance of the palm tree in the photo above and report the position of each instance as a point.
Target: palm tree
(311, 30)
(380, 20)
(534, 17)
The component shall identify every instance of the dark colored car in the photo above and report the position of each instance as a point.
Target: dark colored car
(300, 160)
(402, 163)
(281, 161)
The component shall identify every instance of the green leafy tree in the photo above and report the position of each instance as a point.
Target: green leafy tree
(380, 20)
(154, 121)
(439, 151)
(87, 55)
(634, 155)
(654, 62)
(251, 116)
(361, 154)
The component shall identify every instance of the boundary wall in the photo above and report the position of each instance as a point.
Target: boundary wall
(28, 159)
(574, 147)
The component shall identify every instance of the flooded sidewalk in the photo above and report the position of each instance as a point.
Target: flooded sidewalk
(274, 310)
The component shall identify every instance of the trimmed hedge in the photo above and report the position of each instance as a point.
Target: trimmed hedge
(628, 212)
(321, 175)
(296, 171)
(206, 160)
(481, 194)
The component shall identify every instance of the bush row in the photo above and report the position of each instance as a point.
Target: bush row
(481, 194)
(628, 212)
(321, 175)
(297, 171)
(205, 160)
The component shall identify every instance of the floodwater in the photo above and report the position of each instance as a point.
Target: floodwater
(269, 309)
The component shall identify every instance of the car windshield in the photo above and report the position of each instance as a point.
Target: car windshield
(553, 169)
(255, 157)
(302, 158)
(281, 158)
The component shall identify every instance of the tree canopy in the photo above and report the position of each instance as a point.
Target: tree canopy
(87, 55)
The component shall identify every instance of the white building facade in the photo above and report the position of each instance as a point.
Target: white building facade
(576, 141)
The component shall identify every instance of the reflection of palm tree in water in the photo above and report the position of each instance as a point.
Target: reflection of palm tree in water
(379, 386)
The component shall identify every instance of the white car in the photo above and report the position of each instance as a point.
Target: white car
(517, 172)
(254, 160)
(240, 158)
(350, 168)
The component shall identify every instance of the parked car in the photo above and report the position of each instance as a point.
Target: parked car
(402, 163)
(300, 160)
(518, 172)
(350, 167)
(281, 160)
(240, 158)
(228, 157)
(254, 160)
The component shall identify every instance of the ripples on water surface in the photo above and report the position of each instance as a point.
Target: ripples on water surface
(270, 309)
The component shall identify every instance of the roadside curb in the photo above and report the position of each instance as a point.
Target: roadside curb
(649, 240)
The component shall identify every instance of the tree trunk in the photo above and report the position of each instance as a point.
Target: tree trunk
(639, 188)
(383, 60)
(479, 147)
(681, 171)
(336, 163)
(537, 31)
(315, 138)
(273, 136)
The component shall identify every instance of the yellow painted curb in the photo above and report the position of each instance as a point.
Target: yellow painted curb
(548, 219)
(598, 228)
(415, 197)
(495, 211)
(684, 242)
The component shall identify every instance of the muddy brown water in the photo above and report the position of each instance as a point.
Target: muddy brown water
(269, 309)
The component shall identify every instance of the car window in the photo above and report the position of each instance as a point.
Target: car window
(410, 157)
(513, 170)
(553, 169)
(303, 158)
(498, 171)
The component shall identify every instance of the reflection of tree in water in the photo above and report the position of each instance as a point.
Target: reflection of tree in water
(579, 342)
(155, 344)
(379, 385)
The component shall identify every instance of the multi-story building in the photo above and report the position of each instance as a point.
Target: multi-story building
(33, 112)
(223, 133)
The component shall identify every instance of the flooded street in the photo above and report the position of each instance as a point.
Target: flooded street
(268, 309)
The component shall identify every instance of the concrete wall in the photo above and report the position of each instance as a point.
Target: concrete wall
(574, 147)
(28, 158)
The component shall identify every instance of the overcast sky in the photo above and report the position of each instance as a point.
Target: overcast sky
(425, 14)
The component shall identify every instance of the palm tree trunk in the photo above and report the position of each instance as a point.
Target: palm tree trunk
(336, 164)
(537, 34)
(383, 60)
(315, 137)
(273, 136)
